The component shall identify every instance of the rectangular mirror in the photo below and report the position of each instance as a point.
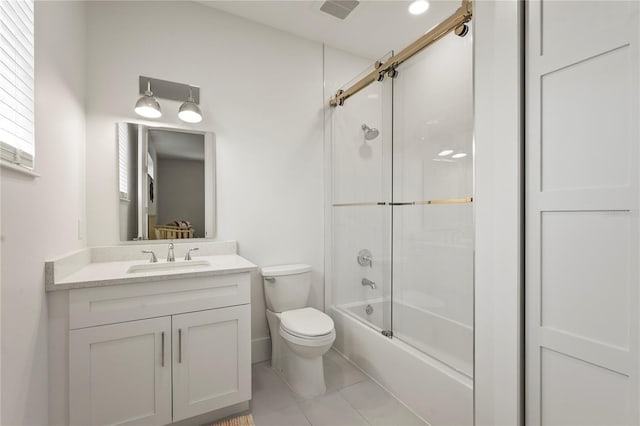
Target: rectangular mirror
(166, 183)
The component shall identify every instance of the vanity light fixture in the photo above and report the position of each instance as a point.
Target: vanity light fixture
(418, 7)
(148, 106)
(190, 111)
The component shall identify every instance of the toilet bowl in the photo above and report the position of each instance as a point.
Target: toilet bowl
(300, 335)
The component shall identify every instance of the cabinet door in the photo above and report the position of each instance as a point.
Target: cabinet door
(211, 360)
(121, 373)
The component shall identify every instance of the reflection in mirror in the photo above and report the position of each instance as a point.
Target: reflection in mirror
(166, 183)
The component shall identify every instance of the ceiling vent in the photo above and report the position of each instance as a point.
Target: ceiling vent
(339, 8)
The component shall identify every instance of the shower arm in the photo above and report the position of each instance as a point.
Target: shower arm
(454, 22)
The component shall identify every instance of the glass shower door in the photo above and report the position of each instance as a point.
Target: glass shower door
(361, 190)
(432, 203)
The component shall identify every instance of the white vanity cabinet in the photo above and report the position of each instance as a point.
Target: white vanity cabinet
(121, 373)
(159, 352)
(212, 360)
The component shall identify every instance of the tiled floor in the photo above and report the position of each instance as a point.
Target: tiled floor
(352, 399)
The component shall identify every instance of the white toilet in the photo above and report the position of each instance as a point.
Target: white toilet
(299, 335)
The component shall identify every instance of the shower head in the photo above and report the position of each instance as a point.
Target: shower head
(369, 133)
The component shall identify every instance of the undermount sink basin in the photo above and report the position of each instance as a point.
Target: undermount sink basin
(168, 266)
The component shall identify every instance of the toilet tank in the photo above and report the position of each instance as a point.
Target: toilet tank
(286, 287)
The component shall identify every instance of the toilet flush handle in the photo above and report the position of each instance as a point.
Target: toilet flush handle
(270, 279)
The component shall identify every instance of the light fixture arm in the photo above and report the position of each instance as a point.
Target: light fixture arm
(165, 89)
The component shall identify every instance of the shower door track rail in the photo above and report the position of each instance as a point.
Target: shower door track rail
(454, 22)
(408, 203)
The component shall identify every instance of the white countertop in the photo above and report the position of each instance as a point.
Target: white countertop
(97, 274)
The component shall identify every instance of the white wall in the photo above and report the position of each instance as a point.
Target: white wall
(40, 215)
(498, 208)
(261, 92)
(179, 197)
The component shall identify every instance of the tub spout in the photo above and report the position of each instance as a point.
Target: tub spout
(368, 282)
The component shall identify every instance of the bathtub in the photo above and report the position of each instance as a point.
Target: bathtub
(427, 365)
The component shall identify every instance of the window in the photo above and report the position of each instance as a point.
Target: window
(150, 167)
(17, 142)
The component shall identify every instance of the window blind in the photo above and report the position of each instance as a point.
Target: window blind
(150, 166)
(123, 161)
(17, 142)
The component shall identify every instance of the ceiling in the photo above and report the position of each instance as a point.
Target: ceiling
(371, 30)
(176, 145)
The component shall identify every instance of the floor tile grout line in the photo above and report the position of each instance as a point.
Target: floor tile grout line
(299, 404)
(354, 407)
(345, 400)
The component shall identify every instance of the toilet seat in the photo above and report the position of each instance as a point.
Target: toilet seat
(327, 339)
(306, 323)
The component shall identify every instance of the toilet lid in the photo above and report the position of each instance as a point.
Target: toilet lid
(306, 322)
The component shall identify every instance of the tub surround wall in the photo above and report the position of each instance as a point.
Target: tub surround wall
(43, 217)
(339, 68)
(433, 244)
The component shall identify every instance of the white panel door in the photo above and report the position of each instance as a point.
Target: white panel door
(582, 225)
(211, 360)
(120, 374)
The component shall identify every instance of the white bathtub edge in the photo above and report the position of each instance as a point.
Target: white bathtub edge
(431, 390)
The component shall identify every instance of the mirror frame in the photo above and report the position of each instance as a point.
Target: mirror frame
(209, 181)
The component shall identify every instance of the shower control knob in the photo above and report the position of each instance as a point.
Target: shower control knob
(365, 258)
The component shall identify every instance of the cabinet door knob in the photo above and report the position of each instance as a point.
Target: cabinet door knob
(179, 346)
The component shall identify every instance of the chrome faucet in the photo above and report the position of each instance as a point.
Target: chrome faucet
(369, 283)
(171, 257)
(188, 255)
(153, 259)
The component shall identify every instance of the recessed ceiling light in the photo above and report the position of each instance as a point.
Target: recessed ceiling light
(459, 155)
(418, 7)
(445, 152)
